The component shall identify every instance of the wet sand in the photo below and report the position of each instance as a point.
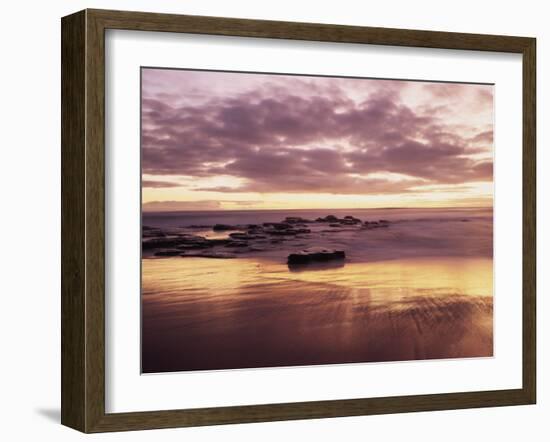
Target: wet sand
(205, 314)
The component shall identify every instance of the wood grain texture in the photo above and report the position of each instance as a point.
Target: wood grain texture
(83, 220)
(145, 21)
(529, 220)
(95, 222)
(73, 253)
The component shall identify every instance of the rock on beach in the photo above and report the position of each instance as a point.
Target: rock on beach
(315, 254)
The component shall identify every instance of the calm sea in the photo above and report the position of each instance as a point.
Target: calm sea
(180, 219)
(413, 232)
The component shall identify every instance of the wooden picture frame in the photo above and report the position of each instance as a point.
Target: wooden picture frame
(83, 220)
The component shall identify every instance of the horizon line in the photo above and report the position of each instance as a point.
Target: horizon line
(321, 208)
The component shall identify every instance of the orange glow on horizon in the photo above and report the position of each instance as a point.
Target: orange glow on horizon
(177, 198)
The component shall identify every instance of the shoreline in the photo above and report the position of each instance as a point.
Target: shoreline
(258, 314)
(375, 237)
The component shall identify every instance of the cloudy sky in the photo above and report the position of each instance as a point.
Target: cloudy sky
(215, 140)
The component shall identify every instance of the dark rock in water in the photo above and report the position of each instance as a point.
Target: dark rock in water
(153, 233)
(347, 220)
(183, 242)
(245, 236)
(203, 243)
(198, 226)
(222, 227)
(156, 243)
(315, 266)
(278, 226)
(297, 220)
(335, 225)
(237, 244)
(195, 242)
(287, 232)
(315, 254)
(255, 230)
(376, 224)
(350, 220)
(195, 246)
(278, 232)
(168, 253)
(217, 241)
(328, 219)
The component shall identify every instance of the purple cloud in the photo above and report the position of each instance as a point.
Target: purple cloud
(286, 134)
(158, 184)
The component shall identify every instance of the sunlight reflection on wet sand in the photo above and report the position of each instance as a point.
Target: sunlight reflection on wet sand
(201, 314)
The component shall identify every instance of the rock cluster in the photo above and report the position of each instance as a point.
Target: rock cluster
(337, 222)
(223, 227)
(376, 224)
(151, 232)
(297, 220)
(241, 239)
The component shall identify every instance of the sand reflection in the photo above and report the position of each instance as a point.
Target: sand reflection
(201, 314)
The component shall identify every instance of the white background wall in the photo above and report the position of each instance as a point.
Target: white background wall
(30, 217)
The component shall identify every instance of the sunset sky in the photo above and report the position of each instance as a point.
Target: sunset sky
(215, 141)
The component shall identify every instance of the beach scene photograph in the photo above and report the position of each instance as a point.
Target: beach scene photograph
(299, 220)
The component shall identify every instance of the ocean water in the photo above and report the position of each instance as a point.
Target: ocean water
(177, 219)
(413, 232)
(420, 289)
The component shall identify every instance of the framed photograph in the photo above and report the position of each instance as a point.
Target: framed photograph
(269, 220)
